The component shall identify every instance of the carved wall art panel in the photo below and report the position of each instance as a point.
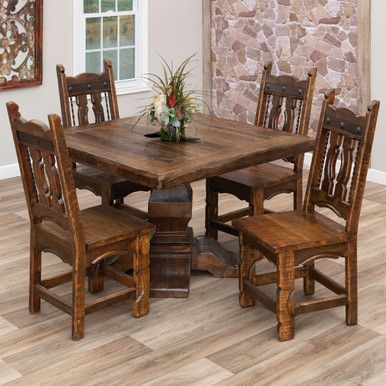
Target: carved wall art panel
(21, 29)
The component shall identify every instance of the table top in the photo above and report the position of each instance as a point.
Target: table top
(119, 148)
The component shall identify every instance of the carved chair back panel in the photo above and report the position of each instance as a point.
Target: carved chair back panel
(282, 108)
(285, 102)
(341, 159)
(46, 171)
(87, 98)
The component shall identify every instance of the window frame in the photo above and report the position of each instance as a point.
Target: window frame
(129, 86)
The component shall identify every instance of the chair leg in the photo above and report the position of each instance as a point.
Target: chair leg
(246, 262)
(257, 208)
(352, 285)
(119, 201)
(141, 265)
(107, 201)
(96, 280)
(211, 211)
(257, 202)
(107, 197)
(78, 299)
(35, 277)
(298, 195)
(309, 281)
(285, 296)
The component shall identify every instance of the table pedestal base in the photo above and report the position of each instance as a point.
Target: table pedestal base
(174, 251)
(170, 260)
(171, 246)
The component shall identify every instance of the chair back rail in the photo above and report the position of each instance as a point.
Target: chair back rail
(341, 161)
(46, 171)
(80, 93)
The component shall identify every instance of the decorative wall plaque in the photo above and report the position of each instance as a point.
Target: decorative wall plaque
(21, 30)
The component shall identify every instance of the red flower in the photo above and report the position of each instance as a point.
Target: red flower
(172, 98)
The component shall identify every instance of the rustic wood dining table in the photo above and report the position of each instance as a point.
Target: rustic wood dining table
(122, 149)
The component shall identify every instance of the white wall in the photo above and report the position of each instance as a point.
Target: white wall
(175, 32)
(378, 81)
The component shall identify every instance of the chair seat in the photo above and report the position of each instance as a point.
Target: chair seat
(295, 230)
(97, 180)
(260, 176)
(102, 225)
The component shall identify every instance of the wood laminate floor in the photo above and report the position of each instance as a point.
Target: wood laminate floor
(204, 340)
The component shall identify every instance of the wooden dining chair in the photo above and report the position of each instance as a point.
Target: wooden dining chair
(81, 238)
(294, 240)
(94, 95)
(284, 104)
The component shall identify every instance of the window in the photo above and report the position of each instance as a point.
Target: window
(115, 30)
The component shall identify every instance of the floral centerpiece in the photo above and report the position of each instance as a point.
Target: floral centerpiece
(175, 102)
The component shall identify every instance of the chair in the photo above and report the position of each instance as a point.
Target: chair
(294, 240)
(284, 104)
(76, 93)
(81, 238)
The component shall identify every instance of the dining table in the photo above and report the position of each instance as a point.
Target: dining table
(214, 146)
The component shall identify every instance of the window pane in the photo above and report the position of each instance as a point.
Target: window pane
(93, 33)
(125, 5)
(127, 63)
(93, 62)
(127, 31)
(108, 5)
(110, 31)
(91, 6)
(113, 56)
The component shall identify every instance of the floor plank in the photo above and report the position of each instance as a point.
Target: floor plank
(304, 356)
(7, 373)
(200, 372)
(352, 368)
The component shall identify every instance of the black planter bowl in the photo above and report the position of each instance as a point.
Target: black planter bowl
(184, 138)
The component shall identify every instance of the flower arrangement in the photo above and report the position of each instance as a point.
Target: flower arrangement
(175, 102)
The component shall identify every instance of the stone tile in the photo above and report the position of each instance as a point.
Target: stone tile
(296, 35)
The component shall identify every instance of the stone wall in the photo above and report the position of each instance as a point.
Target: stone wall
(295, 35)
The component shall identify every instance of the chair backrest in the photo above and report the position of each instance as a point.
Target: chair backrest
(341, 161)
(285, 102)
(84, 90)
(46, 171)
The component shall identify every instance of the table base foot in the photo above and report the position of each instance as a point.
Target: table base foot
(209, 255)
(178, 293)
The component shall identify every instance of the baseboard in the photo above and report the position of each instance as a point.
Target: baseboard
(373, 175)
(376, 176)
(9, 171)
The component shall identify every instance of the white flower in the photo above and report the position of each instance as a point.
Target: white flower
(159, 102)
